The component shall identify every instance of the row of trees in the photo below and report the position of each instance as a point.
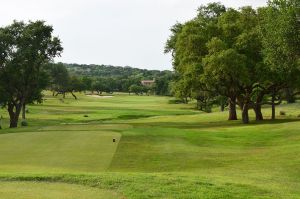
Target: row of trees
(244, 57)
(123, 78)
(93, 70)
(63, 80)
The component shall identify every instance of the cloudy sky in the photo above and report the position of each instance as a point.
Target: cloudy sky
(116, 32)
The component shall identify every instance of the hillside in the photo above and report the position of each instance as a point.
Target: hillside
(113, 71)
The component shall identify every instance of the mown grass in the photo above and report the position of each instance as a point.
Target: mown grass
(29, 190)
(163, 150)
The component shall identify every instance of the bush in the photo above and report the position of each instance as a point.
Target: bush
(207, 109)
(85, 116)
(282, 113)
(24, 123)
(176, 101)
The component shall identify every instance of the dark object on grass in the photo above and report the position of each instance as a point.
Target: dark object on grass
(85, 116)
(24, 123)
(27, 111)
(114, 140)
(176, 101)
(282, 113)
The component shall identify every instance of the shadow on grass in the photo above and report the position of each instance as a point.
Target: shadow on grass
(38, 124)
(163, 185)
(213, 124)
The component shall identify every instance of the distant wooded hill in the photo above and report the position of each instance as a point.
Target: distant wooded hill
(103, 78)
(114, 71)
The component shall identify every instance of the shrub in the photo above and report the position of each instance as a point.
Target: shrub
(176, 101)
(85, 116)
(24, 123)
(282, 113)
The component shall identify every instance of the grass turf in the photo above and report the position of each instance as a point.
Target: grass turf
(33, 190)
(163, 150)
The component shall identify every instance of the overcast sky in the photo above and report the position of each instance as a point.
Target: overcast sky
(115, 32)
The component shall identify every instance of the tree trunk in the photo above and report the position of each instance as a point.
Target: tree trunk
(186, 100)
(258, 113)
(199, 107)
(222, 107)
(273, 106)
(14, 115)
(245, 114)
(289, 96)
(24, 112)
(64, 95)
(232, 109)
(74, 95)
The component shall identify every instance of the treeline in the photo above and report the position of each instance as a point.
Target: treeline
(246, 57)
(112, 71)
(71, 78)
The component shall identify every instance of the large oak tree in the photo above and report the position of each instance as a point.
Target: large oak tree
(24, 50)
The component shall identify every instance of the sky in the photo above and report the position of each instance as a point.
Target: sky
(111, 32)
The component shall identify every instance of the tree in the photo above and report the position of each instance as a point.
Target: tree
(98, 86)
(75, 85)
(225, 71)
(161, 85)
(36, 94)
(137, 89)
(25, 49)
(188, 47)
(279, 28)
(87, 83)
(60, 78)
(235, 55)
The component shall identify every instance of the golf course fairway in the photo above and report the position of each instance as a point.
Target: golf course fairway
(161, 150)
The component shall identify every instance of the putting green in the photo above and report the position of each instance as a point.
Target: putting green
(57, 151)
(32, 190)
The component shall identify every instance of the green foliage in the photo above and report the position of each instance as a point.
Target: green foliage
(137, 89)
(246, 55)
(24, 123)
(115, 78)
(25, 49)
(281, 39)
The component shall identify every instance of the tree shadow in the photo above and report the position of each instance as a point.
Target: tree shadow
(213, 124)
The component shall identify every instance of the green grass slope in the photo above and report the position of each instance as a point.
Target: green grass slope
(31, 190)
(162, 151)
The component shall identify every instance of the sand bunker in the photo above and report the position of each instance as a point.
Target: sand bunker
(98, 96)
